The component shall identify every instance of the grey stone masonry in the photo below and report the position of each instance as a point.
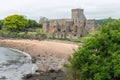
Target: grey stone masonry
(69, 28)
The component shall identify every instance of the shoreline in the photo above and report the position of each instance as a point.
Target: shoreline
(48, 55)
(16, 50)
(14, 64)
(35, 47)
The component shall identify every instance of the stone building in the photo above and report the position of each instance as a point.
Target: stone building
(69, 28)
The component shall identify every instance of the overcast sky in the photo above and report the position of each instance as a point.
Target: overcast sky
(53, 9)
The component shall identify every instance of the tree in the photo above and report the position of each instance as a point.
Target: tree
(102, 21)
(33, 24)
(15, 22)
(1, 24)
(99, 57)
(42, 19)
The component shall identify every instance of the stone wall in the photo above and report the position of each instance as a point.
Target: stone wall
(90, 25)
(78, 14)
(69, 28)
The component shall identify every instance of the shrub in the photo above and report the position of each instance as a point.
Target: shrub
(99, 57)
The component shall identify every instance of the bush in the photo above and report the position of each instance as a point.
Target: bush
(99, 57)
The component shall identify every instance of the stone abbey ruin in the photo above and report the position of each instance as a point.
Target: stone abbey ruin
(69, 28)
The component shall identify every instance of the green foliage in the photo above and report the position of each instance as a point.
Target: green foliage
(33, 24)
(4, 33)
(15, 22)
(99, 57)
(1, 22)
(42, 19)
(102, 21)
(30, 35)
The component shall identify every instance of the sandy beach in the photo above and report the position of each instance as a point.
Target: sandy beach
(47, 55)
(46, 47)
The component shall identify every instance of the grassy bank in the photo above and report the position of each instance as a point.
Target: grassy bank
(38, 34)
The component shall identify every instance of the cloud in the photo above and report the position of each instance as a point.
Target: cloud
(60, 8)
(101, 8)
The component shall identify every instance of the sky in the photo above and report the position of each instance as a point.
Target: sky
(56, 9)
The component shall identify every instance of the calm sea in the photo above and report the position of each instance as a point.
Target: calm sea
(14, 64)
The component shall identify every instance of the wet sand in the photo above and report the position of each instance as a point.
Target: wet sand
(49, 55)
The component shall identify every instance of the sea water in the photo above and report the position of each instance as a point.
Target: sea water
(14, 64)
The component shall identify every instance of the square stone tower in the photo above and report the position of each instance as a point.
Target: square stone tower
(78, 14)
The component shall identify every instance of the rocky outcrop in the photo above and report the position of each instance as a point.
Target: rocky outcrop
(50, 75)
(49, 56)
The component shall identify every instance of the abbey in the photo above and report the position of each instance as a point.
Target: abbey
(69, 28)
